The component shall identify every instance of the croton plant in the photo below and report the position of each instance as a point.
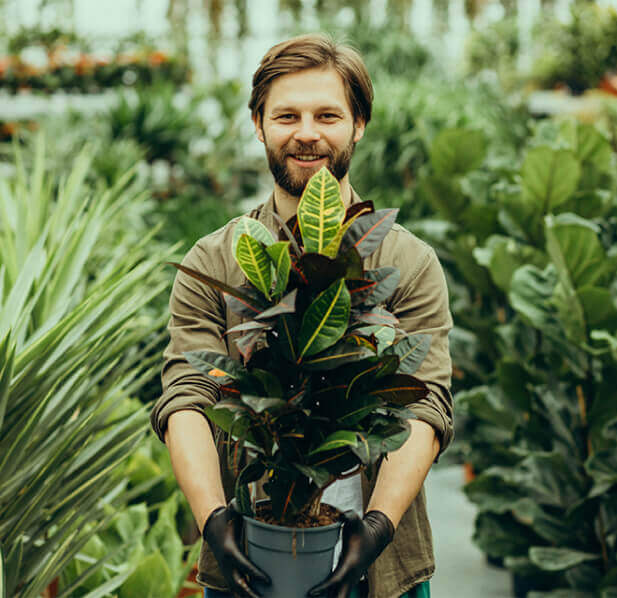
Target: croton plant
(324, 393)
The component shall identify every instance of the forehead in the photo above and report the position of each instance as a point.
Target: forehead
(306, 90)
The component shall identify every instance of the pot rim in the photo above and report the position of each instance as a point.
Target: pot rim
(312, 530)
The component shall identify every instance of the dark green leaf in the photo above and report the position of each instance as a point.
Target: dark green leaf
(261, 404)
(241, 307)
(319, 476)
(338, 355)
(558, 559)
(352, 411)
(411, 351)
(247, 342)
(602, 468)
(246, 299)
(598, 307)
(243, 499)
(368, 231)
(286, 305)
(336, 440)
(321, 271)
(378, 316)
(207, 361)
(325, 320)
(401, 389)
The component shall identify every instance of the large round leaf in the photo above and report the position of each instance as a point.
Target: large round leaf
(574, 245)
(457, 151)
(151, 579)
(549, 177)
(320, 212)
(325, 320)
(558, 559)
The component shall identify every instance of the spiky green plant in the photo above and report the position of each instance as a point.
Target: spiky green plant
(74, 344)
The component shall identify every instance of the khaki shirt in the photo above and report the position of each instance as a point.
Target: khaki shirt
(199, 317)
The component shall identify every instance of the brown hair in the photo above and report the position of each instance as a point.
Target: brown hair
(310, 51)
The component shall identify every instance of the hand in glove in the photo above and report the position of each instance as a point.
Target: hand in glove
(222, 532)
(363, 541)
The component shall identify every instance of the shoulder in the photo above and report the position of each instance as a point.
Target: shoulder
(404, 250)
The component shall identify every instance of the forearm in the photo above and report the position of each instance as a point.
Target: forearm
(195, 462)
(410, 464)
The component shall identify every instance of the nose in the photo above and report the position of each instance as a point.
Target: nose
(307, 131)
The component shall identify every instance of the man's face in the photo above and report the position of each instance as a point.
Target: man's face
(307, 123)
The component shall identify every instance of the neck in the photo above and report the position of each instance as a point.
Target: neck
(286, 205)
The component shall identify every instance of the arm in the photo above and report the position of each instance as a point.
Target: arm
(410, 463)
(195, 463)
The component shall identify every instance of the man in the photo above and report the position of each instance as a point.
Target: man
(310, 104)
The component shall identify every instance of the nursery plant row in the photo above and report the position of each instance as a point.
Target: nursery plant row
(523, 216)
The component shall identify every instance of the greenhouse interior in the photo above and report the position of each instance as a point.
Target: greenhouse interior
(126, 137)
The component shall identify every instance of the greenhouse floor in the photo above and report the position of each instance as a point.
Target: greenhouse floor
(461, 568)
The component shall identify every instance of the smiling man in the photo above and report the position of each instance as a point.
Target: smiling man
(310, 103)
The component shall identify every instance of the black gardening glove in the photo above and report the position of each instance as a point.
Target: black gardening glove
(222, 532)
(363, 541)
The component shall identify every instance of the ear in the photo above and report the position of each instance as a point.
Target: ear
(360, 126)
(258, 128)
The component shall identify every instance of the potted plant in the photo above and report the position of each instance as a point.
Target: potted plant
(323, 388)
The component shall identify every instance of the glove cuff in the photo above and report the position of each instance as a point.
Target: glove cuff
(381, 522)
(213, 515)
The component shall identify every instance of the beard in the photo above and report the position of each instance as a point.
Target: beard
(337, 163)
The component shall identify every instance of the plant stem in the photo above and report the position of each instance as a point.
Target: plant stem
(582, 406)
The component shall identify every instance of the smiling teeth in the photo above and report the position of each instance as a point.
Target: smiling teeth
(307, 158)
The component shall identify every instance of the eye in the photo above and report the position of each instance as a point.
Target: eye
(285, 117)
(329, 116)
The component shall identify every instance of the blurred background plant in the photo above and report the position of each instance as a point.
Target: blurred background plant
(471, 137)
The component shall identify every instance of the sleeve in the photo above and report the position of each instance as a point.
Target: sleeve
(197, 321)
(421, 304)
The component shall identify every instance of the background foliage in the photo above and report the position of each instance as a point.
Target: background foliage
(519, 204)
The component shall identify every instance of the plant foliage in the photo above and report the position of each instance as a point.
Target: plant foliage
(74, 344)
(326, 393)
(535, 242)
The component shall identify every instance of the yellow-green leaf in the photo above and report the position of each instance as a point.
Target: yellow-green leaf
(325, 320)
(320, 211)
(253, 228)
(255, 263)
(279, 254)
(332, 248)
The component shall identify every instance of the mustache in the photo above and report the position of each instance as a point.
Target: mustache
(306, 149)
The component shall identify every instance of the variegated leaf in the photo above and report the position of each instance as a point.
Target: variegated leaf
(255, 263)
(279, 254)
(320, 212)
(325, 320)
(253, 228)
(332, 249)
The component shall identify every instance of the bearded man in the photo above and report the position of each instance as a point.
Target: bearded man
(310, 103)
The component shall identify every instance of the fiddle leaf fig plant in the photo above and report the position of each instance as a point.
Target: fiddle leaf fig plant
(326, 393)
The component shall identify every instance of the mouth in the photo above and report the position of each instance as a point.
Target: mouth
(307, 160)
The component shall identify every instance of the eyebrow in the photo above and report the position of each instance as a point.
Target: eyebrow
(284, 109)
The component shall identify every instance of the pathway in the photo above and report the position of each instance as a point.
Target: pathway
(462, 571)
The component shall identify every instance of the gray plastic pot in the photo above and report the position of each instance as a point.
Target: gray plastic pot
(296, 559)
